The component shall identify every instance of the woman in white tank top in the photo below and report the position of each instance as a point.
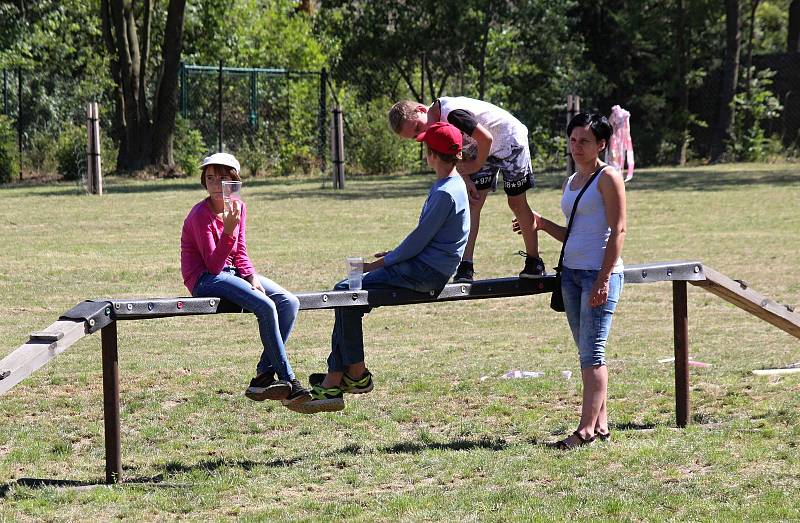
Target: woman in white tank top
(592, 271)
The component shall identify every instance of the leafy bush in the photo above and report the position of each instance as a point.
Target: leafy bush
(71, 152)
(548, 151)
(188, 147)
(371, 144)
(253, 156)
(8, 157)
(752, 144)
(41, 153)
(43, 157)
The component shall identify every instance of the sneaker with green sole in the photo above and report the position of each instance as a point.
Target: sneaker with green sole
(298, 394)
(322, 400)
(266, 387)
(348, 385)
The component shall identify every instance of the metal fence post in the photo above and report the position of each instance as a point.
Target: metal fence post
(337, 144)
(184, 92)
(111, 403)
(253, 103)
(323, 112)
(19, 119)
(219, 104)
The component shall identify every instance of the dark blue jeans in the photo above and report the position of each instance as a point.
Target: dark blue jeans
(347, 339)
(276, 312)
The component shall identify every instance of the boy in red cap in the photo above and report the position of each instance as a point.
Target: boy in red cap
(423, 262)
(502, 148)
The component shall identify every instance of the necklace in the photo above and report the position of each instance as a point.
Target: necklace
(586, 175)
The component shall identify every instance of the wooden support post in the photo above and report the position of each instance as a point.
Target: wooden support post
(681, 328)
(573, 108)
(94, 174)
(111, 403)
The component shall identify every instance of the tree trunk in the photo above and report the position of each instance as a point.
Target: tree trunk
(748, 72)
(723, 130)
(482, 57)
(118, 129)
(142, 141)
(135, 126)
(682, 94)
(166, 106)
(793, 40)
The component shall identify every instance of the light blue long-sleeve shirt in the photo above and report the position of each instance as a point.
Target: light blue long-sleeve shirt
(441, 235)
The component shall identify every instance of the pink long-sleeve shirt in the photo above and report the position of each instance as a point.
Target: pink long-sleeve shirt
(205, 248)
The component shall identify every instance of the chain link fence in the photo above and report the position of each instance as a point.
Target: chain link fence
(279, 121)
(276, 120)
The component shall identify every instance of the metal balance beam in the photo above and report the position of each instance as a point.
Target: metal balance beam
(90, 316)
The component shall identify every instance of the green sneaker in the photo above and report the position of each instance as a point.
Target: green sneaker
(322, 400)
(362, 385)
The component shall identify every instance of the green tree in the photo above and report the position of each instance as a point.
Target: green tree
(54, 45)
(145, 121)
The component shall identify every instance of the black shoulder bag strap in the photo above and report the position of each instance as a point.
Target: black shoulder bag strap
(572, 215)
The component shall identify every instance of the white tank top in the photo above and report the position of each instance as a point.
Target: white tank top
(506, 130)
(586, 245)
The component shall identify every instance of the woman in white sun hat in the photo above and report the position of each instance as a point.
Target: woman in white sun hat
(214, 262)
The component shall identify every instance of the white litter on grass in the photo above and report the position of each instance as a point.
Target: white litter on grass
(514, 374)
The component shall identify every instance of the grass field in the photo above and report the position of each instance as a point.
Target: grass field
(441, 437)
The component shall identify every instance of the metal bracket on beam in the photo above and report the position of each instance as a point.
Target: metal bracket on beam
(96, 314)
(135, 309)
(664, 271)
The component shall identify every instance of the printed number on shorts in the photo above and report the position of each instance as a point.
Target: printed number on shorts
(483, 180)
(515, 185)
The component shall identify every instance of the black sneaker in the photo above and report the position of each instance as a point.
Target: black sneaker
(349, 385)
(534, 266)
(465, 272)
(322, 400)
(299, 394)
(266, 387)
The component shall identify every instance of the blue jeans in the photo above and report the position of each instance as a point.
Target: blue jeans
(590, 325)
(347, 339)
(276, 312)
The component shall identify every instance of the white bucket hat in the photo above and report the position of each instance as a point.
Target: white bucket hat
(221, 159)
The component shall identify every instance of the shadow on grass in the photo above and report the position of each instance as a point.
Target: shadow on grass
(709, 178)
(417, 188)
(414, 447)
(36, 483)
(631, 426)
(368, 187)
(69, 484)
(361, 188)
(175, 467)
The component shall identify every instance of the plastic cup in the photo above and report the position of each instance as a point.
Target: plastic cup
(231, 190)
(355, 272)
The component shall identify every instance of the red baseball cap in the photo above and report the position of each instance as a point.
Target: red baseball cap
(442, 138)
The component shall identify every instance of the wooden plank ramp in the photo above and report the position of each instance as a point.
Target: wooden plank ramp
(740, 294)
(42, 347)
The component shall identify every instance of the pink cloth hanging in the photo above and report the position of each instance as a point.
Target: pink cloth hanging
(620, 147)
